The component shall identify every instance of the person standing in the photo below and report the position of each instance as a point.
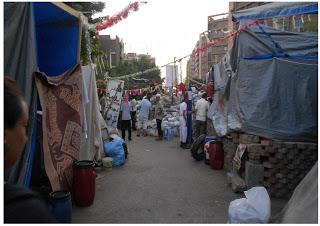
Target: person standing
(183, 122)
(20, 204)
(159, 114)
(201, 109)
(133, 113)
(126, 109)
(145, 106)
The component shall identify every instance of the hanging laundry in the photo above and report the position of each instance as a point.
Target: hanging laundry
(61, 102)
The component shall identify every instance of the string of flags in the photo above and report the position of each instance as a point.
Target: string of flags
(135, 92)
(195, 52)
(215, 42)
(109, 22)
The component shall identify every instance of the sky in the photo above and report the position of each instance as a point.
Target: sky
(163, 28)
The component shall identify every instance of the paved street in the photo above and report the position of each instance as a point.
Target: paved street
(160, 183)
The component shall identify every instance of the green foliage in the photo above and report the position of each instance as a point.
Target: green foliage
(199, 80)
(129, 67)
(88, 9)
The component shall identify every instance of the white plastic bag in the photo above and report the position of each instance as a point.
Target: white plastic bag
(255, 208)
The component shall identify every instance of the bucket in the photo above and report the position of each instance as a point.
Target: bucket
(207, 142)
(61, 206)
(107, 162)
(216, 155)
(84, 183)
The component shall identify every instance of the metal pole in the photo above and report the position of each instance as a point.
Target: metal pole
(189, 117)
(173, 76)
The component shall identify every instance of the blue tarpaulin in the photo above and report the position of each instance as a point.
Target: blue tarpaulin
(57, 38)
(276, 9)
(37, 36)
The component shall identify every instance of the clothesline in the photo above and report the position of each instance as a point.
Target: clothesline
(199, 83)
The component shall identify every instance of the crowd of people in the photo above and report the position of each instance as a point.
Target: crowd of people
(136, 111)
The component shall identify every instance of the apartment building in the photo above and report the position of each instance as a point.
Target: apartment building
(112, 48)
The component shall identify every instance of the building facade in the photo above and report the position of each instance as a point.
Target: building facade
(221, 25)
(217, 28)
(112, 48)
(300, 23)
(199, 65)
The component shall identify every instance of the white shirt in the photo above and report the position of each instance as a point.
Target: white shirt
(134, 104)
(202, 107)
(183, 107)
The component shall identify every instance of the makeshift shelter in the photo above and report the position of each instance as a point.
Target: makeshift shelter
(267, 83)
(45, 37)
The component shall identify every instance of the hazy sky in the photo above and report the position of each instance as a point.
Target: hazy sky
(163, 28)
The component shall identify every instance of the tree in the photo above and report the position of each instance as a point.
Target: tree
(133, 66)
(89, 9)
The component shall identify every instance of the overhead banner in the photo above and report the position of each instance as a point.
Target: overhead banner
(171, 75)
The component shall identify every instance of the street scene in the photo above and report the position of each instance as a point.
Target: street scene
(157, 112)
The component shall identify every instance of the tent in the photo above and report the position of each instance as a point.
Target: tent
(267, 83)
(38, 36)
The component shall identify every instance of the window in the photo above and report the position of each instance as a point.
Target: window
(280, 24)
(298, 23)
(113, 59)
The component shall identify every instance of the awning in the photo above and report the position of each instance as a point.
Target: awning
(276, 9)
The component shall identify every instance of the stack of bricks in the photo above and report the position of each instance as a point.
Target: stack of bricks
(230, 144)
(285, 164)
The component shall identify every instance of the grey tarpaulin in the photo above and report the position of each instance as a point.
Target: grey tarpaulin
(19, 49)
(273, 87)
(302, 208)
(303, 205)
(20, 64)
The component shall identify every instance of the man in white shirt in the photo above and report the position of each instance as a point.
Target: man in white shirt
(201, 110)
(133, 113)
(143, 116)
(183, 122)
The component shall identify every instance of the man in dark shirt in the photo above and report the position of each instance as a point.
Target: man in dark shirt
(20, 204)
(24, 206)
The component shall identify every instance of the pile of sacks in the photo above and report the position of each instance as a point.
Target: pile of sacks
(171, 120)
(152, 128)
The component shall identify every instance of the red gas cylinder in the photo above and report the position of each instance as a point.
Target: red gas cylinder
(84, 183)
(216, 155)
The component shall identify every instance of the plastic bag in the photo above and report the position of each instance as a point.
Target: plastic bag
(114, 149)
(255, 208)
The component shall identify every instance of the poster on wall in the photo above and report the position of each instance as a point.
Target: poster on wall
(113, 101)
